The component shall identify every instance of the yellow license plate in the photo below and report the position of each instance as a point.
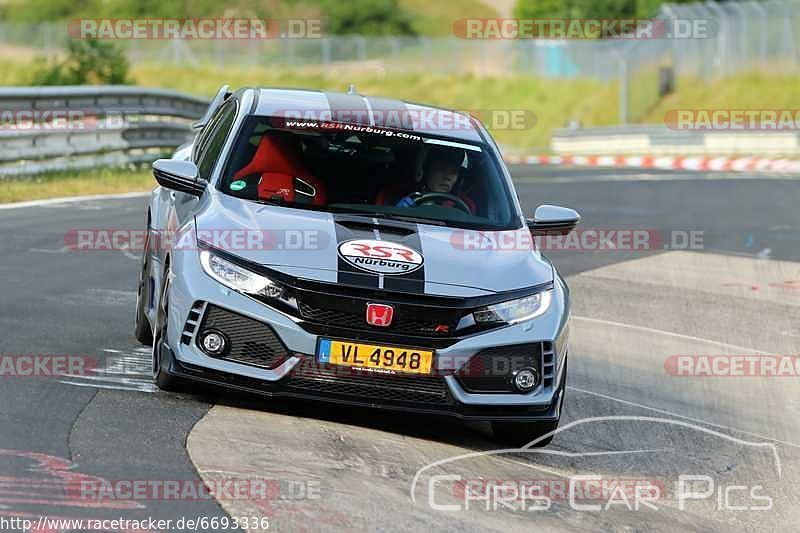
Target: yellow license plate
(392, 358)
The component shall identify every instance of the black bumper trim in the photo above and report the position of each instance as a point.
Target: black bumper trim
(510, 413)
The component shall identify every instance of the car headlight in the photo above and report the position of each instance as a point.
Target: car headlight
(243, 280)
(515, 310)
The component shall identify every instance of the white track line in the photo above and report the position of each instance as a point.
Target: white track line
(52, 201)
(670, 333)
(698, 420)
(662, 411)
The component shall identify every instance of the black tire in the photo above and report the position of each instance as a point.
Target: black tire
(142, 330)
(519, 434)
(161, 377)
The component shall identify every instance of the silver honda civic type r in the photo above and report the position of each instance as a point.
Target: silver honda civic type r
(361, 251)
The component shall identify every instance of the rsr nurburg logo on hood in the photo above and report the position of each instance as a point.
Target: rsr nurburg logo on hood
(380, 257)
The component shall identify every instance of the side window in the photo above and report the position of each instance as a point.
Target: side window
(209, 148)
(202, 137)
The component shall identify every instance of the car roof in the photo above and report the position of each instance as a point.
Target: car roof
(366, 111)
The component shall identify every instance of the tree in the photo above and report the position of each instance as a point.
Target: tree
(366, 17)
(88, 61)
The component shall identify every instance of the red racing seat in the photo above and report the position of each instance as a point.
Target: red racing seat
(283, 173)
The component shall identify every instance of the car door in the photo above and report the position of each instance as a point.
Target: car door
(205, 154)
(172, 209)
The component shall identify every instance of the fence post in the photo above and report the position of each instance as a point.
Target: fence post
(764, 30)
(291, 53)
(723, 37)
(670, 19)
(623, 88)
(361, 44)
(326, 51)
(788, 31)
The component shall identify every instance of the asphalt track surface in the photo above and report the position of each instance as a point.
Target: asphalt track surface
(626, 417)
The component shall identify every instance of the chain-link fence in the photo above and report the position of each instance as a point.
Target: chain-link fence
(735, 37)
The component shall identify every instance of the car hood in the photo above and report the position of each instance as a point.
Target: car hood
(373, 253)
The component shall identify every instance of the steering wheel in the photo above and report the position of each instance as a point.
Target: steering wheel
(438, 197)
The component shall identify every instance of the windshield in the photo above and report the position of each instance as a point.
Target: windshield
(368, 170)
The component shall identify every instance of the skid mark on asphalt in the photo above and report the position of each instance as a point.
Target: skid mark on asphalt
(129, 370)
(62, 250)
(99, 297)
(34, 485)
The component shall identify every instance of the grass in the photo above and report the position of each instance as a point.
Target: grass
(436, 18)
(14, 72)
(104, 181)
(552, 102)
(749, 91)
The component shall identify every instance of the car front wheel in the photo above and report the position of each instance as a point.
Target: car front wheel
(161, 378)
(142, 330)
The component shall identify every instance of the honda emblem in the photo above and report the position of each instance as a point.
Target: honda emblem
(380, 315)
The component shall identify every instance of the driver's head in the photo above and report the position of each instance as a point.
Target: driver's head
(442, 166)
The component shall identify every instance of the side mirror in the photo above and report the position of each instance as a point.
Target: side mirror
(553, 220)
(179, 176)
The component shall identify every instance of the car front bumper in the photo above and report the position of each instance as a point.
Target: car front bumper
(194, 295)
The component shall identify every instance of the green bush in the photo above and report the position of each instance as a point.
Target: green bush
(575, 9)
(88, 61)
(365, 17)
(594, 9)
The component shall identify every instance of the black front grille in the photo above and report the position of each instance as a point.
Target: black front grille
(250, 342)
(407, 319)
(349, 382)
(339, 309)
(491, 370)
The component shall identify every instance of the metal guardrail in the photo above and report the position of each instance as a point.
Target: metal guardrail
(45, 129)
(125, 125)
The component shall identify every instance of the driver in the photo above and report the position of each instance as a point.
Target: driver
(440, 174)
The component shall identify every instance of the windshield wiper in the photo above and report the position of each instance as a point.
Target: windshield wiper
(390, 216)
(350, 211)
